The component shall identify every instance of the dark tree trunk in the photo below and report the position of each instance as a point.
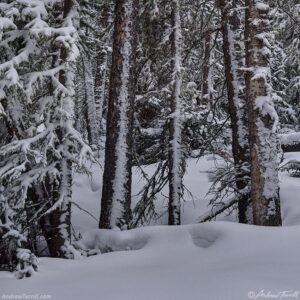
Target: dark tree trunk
(8, 247)
(116, 192)
(206, 93)
(93, 122)
(56, 224)
(233, 60)
(103, 61)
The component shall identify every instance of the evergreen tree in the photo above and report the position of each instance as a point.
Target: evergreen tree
(116, 192)
(263, 119)
(234, 49)
(175, 152)
(37, 84)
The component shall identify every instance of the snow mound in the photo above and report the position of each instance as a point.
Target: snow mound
(217, 260)
(112, 240)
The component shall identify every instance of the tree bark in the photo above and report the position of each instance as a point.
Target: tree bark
(262, 117)
(93, 123)
(57, 223)
(103, 63)
(206, 79)
(175, 157)
(116, 192)
(233, 61)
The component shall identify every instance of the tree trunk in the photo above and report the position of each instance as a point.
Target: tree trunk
(57, 222)
(102, 65)
(93, 123)
(206, 79)
(116, 192)
(233, 59)
(175, 157)
(100, 83)
(262, 117)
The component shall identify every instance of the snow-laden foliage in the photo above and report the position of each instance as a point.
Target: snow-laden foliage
(38, 54)
(92, 72)
(59, 88)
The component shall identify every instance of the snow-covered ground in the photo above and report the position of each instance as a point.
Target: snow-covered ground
(87, 193)
(216, 260)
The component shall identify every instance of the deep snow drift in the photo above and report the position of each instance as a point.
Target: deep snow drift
(216, 260)
(219, 260)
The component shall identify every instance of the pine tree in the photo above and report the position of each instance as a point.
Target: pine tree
(116, 193)
(58, 217)
(175, 157)
(262, 116)
(92, 69)
(233, 49)
(37, 84)
(292, 60)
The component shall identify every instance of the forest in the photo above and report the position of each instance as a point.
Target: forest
(149, 149)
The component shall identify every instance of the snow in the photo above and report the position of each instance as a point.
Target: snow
(266, 107)
(204, 261)
(6, 23)
(290, 139)
(262, 6)
(87, 193)
(209, 261)
(238, 83)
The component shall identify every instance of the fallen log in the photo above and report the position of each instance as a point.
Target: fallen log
(290, 142)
